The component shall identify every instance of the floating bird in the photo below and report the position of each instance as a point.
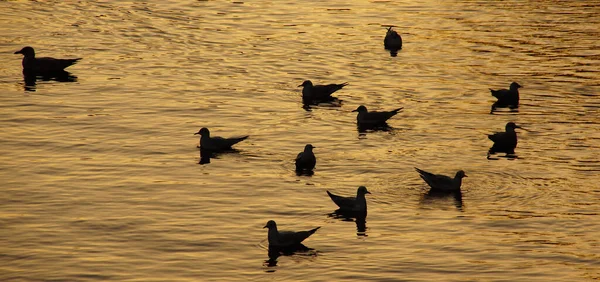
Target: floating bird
(314, 94)
(442, 183)
(283, 239)
(504, 142)
(507, 98)
(306, 160)
(366, 118)
(44, 64)
(352, 204)
(392, 41)
(217, 143)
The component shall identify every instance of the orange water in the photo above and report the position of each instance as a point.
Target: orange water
(101, 181)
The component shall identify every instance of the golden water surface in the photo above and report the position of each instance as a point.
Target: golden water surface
(101, 181)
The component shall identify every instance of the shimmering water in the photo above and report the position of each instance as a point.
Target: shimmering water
(101, 181)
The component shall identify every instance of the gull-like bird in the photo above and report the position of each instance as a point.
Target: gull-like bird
(217, 143)
(351, 204)
(392, 40)
(504, 142)
(314, 94)
(442, 183)
(507, 98)
(366, 118)
(43, 64)
(284, 239)
(306, 160)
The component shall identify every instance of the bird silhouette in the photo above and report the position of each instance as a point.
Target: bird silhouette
(507, 98)
(43, 64)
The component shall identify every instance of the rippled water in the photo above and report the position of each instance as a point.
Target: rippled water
(101, 180)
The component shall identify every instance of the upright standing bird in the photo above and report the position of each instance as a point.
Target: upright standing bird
(352, 204)
(306, 160)
(217, 143)
(507, 98)
(44, 64)
(314, 94)
(392, 41)
(504, 142)
(442, 183)
(284, 239)
(367, 119)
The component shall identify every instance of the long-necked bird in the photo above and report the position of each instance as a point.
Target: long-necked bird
(314, 94)
(217, 143)
(43, 64)
(442, 183)
(284, 239)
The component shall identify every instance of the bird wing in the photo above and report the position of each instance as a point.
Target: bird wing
(500, 94)
(497, 137)
(52, 64)
(293, 238)
(299, 157)
(434, 180)
(234, 140)
(343, 202)
(327, 90)
(382, 116)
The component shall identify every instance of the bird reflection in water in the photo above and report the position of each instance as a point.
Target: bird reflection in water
(298, 250)
(30, 78)
(360, 218)
(364, 129)
(435, 197)
(332, 103)
(206, 155)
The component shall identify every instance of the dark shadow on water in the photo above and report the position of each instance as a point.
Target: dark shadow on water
(275, 252)
(360, 218)
(30, 78)
(305, 172)
(496, 106)
(394, 52)
(510, 157)
(207, 155)
(331, 103)
(434, 197)
(363, 129)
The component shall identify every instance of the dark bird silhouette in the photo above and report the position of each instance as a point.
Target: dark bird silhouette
(44, 64)
(504, 142)
(507, 98)
(440, 182)
(217, 143)
(392, 42)
(370, 119)
(306, 160)
(314, 94)
(356, 204)
(283, 239)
